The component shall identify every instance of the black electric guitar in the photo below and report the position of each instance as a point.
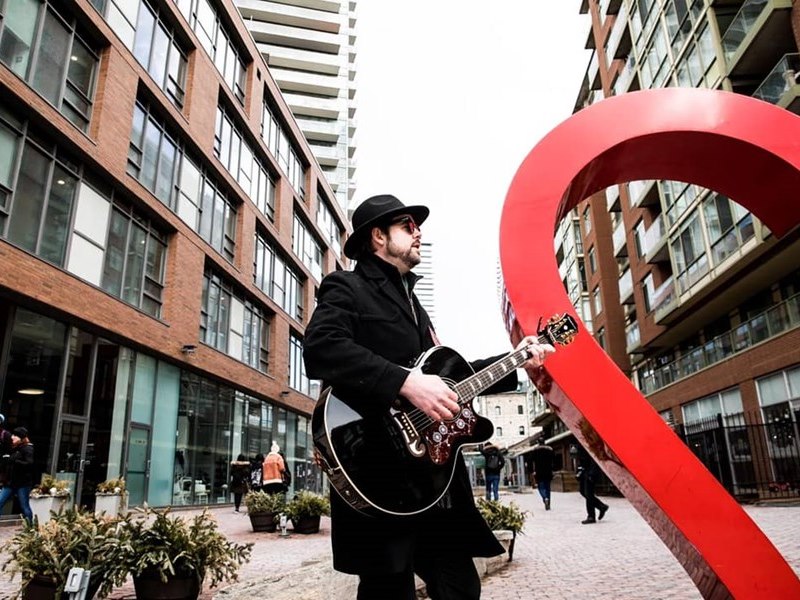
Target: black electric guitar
(401, 462)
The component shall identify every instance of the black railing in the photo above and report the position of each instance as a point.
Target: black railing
(751, 459)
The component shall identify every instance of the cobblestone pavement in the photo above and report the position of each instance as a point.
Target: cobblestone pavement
(555, 558)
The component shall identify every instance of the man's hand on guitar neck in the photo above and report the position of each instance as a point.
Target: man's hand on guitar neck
(431, 395)
(537, 350)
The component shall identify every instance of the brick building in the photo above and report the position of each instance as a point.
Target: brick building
(687, 291)
(163, 227)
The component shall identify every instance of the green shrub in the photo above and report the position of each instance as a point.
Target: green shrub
(173, 545)
(111, 486)
(72, 538)
(502, 516)
(262, 502)
(50, 486)
(307, 504)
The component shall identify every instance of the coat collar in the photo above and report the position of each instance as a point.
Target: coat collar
(390, 282)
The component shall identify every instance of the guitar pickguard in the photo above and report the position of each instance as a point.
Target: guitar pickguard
(441, 437)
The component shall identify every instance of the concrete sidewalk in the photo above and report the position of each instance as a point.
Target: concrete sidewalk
(555, 558)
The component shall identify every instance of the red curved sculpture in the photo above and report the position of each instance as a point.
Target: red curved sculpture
(744, 148)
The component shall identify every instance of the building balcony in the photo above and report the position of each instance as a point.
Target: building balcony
(327, 156)
(781, 86)
(774, 321)
(626, 287)
(758, 35)
(307, 83)
(632, 338)
(285, 35)
(626, 76)
(643, 193)
(319, 130)
(294, 58)
(310, 105)
(612, 199)
(665, 299)
(656, 248)
(593, 72)
(618, 237)
(307, 18)
(619, 40)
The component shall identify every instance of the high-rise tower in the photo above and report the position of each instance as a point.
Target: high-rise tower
(309, 46)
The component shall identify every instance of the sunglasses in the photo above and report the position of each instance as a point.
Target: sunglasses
(408, 223)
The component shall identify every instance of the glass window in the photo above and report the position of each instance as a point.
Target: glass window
(26, 214)
(48, 75)
(40, 52)
(19, 28)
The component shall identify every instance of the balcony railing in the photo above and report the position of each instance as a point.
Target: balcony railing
(632, 338)
(618, 237)
(770, 323)
(655, 238)
(625, 76)
(613, 48)
(741, 25)
(665, 299)
(639, 191)
(780, 80)
(626, 287)
(593, 72)
(612, 199)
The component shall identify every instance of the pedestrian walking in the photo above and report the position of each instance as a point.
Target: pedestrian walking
(240, 475)
(256, 472)
(273, 468)
(543, 459)
(367, 328)
(493, 467)
(588, 475)
(20, 480)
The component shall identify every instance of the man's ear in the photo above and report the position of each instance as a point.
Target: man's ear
(378, 237)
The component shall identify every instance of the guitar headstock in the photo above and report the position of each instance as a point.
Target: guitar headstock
(559, 329)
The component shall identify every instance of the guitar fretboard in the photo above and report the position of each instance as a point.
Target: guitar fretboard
(487, 377)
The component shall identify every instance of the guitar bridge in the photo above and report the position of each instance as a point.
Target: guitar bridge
(410, 435)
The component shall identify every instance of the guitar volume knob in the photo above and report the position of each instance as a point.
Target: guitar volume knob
(460, 423)
(437, 437)
(442, 428)
(467, 413)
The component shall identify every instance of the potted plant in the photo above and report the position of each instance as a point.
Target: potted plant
(43, 554)
(503, 517)
(111, 497)
(305, 510)
(263, 509)
(171, 557)
(49, 497)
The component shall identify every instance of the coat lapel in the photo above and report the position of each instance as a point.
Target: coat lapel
(391, 291)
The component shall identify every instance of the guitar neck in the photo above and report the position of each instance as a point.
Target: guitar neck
(485, 378)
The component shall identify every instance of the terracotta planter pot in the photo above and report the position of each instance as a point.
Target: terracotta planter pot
(181, 586)
(306, 524)
(264, 521)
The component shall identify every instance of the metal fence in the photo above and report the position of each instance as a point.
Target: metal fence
(751, 459)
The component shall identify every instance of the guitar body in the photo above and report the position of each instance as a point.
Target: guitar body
(398, 462)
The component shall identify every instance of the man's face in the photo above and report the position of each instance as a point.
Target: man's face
(403, 242)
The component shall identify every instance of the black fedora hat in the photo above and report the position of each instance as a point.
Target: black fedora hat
(374, 211)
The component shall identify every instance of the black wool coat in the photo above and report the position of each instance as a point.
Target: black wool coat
(361, 336)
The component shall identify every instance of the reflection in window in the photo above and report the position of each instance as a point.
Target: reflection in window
(45, 49)
(306, 248)
(133, 267)
(217, 42)
(233, 324)
(277, 279)
(238, 157)
(158, 161)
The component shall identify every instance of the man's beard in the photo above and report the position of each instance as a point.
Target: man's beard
(408, 257)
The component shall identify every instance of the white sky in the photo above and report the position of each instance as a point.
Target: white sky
(451, 96)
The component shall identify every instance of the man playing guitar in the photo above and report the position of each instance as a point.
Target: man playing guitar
(367, 329)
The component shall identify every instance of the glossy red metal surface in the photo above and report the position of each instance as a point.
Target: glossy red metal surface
(744, 148)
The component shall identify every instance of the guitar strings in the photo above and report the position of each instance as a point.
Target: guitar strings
(485, 378)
